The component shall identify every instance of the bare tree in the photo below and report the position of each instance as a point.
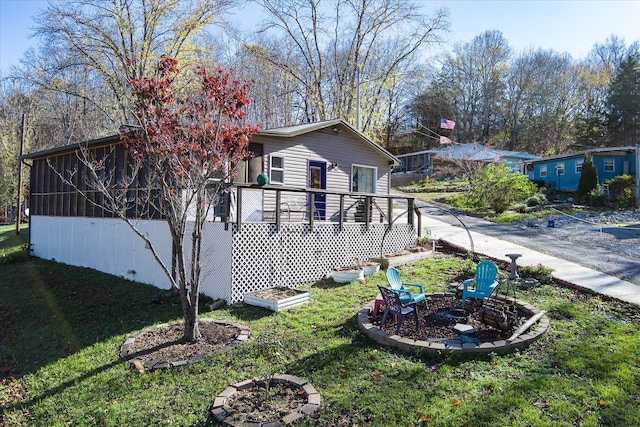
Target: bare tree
(541, 101)
(93, 48)
(476, 73)
(277, 94)
(378, 39)
(611, 53)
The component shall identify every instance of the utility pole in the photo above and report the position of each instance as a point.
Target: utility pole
(358, 99)
(19, 210)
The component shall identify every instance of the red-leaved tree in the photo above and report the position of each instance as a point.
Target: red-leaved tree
(185, 142)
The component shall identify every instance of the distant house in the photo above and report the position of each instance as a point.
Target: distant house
(562, 172)
(327, 204)
(443, 161)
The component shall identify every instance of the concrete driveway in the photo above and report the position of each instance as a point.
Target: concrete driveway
(588, 258)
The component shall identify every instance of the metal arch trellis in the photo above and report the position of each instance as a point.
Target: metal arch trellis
(417, 208)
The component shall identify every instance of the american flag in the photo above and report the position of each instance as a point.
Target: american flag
(447, 124)
(444, 140)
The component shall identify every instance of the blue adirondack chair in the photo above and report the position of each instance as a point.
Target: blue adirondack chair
(392, 305)
(485, 282)
(404, 290)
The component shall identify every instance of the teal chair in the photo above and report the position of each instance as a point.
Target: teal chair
(484, 282)
(404, 290)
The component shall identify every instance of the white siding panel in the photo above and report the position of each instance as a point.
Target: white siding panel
(39, 236)
(54, 243)
(107, 245)
(124, 253)
(61, 232)
(104, 251)
(78, 243)
(146, 267)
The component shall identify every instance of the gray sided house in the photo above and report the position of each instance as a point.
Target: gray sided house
(563, 172)
(445, 161)
(326, 205)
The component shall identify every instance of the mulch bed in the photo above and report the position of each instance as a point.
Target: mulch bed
(166, 344)
(434, 325)
(252, 404)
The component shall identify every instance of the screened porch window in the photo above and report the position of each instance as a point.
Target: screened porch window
(249, 169)
(363, 179)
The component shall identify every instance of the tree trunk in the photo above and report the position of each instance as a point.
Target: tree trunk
(191, 292)
(191, 325)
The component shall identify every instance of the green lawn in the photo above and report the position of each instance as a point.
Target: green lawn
(451, 195)
(62, 327)
(12, 244)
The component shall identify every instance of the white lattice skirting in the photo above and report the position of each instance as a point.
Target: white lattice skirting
(263, 257)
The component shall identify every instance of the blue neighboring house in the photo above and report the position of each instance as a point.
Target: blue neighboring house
(562, 172)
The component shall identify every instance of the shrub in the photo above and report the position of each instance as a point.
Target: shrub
(622, 190)
(497, 186)
(534, 271)
(597, 196)
(520, 207)
(588, 177)
(425, 240)
(539, 272)
(537, 199)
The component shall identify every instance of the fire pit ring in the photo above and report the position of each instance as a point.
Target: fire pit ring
(456, 346)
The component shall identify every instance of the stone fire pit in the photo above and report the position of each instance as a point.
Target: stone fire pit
(462, 344)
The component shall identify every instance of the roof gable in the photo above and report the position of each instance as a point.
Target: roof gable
(338, 124)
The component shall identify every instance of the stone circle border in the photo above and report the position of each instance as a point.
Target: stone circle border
(453, 345)
(222, 415)
(126, 349)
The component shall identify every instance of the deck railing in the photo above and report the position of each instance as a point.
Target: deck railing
(280, 204)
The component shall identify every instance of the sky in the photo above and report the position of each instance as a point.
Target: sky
(571, 26)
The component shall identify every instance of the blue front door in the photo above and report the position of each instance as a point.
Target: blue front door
(318, 180)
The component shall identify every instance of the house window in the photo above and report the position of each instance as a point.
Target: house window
(543, 170)
(363, 179)
(276, 170)
(560, 168)
(608, 165)
(579, 166)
